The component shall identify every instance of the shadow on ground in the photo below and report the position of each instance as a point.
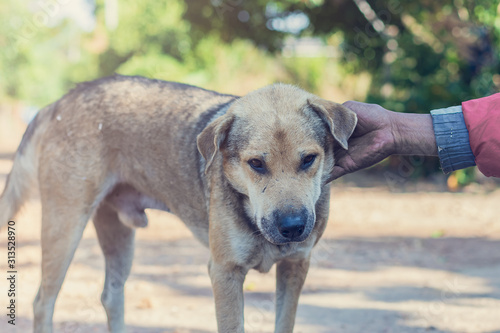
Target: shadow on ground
(182, 260)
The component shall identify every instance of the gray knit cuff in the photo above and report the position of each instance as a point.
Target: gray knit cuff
(452, 139)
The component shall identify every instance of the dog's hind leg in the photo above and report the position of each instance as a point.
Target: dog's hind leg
(290, 277)
(117, 244)
(62, 228)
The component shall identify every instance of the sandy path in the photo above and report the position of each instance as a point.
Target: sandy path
(376, 270)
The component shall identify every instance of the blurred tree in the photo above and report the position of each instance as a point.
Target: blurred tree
(41, 52)
(151, 31)
(422, 55)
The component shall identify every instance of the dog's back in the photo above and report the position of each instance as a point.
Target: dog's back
(117, 130)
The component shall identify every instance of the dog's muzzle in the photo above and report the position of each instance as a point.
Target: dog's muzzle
(286, 226)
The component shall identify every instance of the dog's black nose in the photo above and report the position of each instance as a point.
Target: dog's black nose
(291, 225)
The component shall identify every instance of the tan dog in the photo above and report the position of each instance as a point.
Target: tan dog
(257, 194)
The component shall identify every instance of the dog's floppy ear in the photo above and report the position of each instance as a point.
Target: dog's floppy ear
(211, 138)
(340, 119)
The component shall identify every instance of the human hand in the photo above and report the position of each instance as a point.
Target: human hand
(380, 133)
(371, 142)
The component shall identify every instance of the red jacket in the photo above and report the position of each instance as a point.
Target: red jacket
(482, 118)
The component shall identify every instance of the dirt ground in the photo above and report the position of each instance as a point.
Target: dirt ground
(419, 260)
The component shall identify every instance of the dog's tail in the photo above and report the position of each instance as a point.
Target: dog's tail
(23, 174)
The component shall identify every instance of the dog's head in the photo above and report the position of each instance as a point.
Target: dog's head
(276, 146)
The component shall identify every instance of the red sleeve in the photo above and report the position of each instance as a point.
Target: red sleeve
(482, 118)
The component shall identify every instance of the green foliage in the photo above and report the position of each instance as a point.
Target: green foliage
(426, 55)
(38, 60)
(152, 30)
(306, 70)
(465, 176)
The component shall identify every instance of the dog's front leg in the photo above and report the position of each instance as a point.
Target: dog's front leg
(290, 277)
(227, 284)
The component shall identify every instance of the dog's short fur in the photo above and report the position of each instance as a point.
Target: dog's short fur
(248, 176)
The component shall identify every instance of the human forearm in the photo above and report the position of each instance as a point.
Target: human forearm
(380, 133)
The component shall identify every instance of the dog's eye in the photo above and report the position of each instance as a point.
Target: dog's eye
(308, 161)
(257, 165)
